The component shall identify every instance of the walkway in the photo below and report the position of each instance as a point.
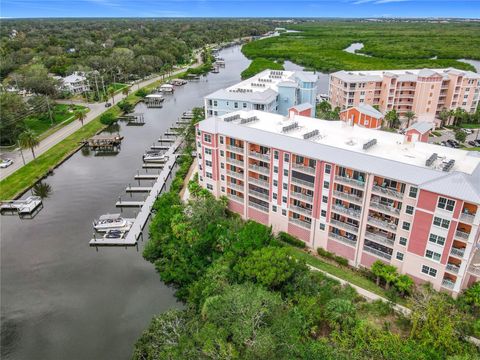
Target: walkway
(96, 109)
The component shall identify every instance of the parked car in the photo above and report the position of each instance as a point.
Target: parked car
(443, 143)
(472, 143)
(477, 142)
(108, 104)
(467, 131)
(6, 163)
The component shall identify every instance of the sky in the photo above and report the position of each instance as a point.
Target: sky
(239, 8)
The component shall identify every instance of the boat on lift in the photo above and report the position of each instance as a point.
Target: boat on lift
(23, 207)
(154, 156)
(109, 222)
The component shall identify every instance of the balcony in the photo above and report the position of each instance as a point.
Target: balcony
(384, 208)
(303, 168)
(343, 239)
(379, 238)
(387, 192)
(258, 206)
(235, 174)
(344, 225)
(301, 196)
(301, 182)
(258, 182)
(235, 198)
(382, 223)
(301, 210)
(462, 235)
(350, 181)
(235, 161)
(452, 268)
(349, 212)
(376, 252)
(467, 218)
(347, 196)
(459, 252)
(447, 283)
(259, 156)
(258, 194)
(260, 169)
(236, 149)
(235, 186)
(475, 270)
(302, 223)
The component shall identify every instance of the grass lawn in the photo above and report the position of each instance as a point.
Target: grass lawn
(475, 148)
(470, 126)
(342, 273)
(62, 115)
(117, 86)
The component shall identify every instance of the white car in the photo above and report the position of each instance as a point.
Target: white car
(6, 163)
(467, 131)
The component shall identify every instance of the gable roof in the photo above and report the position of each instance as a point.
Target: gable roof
(421, 126)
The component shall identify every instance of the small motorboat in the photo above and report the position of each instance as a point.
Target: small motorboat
(110, 222)
(114, 234)
(154, 156)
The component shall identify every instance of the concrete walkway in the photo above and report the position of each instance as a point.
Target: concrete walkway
(96, 109)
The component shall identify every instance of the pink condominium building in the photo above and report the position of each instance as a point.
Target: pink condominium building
(425, 91)
(363, 194)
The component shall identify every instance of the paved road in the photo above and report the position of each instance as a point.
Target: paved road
(95, 110)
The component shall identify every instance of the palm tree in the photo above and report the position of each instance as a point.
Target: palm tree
(410, 115)
(42, 190)
(80, 115)
(392, 118)
(126, 90)
(377, 269)
(111, 93)
(28, 140)
(444, 115)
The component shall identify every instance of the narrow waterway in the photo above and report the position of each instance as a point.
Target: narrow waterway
(61, 299)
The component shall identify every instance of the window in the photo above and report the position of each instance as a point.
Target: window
(221, 139)
(275, 155)
(208, 151)
(286, 157)
(223, 188)
(429, 271)
(285, 173)
(324, 199)
(445, 204)
(323, 213)
(275, 182)
(328, 168)
(406, 225)
(244, 105)
(322, 226)
(209, 175)
(284, 212)
(274, 208)
(441, 222)
(209, 187)
(208, 163)
(275, 169)
(284, 199)
(399, 256)
(198, 132)
(222, 177)
(201, 178)
(222, 165)
(413, 192)
(285, 186)
(402, 241)
(222, 153)
(274, 195)
(409, 210)
(436, 239)
(326, 184)
(235, 105)
(215, 103)
(433, 255)
(207, 138)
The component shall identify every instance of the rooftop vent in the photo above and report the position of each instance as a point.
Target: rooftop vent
(431, 159)
(369, 144)
(290, 127)
(449, 165)
(248, 120)
(231, 118)
(311, 134)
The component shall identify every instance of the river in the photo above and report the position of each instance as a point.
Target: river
(61, 299)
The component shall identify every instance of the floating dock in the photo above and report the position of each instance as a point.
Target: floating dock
(152, 165)
(159, 147)
(138, 189)
(166, 140)
(123, 203)
(146, 176)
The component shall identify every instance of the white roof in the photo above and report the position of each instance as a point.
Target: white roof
(421, 126)
(154, 96)
(73, 78)
(166, 86)
(368, 110)
(342, 144)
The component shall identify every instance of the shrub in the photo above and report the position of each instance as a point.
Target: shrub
(340, 260)
(107, 119)
(141, 93)
(324, 253)
(126, 107)
(292, 240)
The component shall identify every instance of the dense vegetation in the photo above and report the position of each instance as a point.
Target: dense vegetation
(391, 45)
(258, 65)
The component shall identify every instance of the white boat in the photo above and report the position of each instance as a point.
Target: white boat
(179, 82)
(166, 89)
(112, 222)
(27, 206)
(154, 156)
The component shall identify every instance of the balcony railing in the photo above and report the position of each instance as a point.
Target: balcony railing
(448, 283)
(235, 174)
(235, 161)
(374, 251)
(384, 208)
(348, 197)
(380, 238)
(260, 169)
(301, 167)
(235, 198)
(382, 223)
(302, 182)
(235, 186)
(344, 225)
(343, 239)
(462, 234)
(301, 210)
(235, 148)
(386, 191)
(468, 218)
(349, 212)
(260, 156)
(474, 270)
(301, 196)
(350, 181)
(457, 251)
(258, 206)
(261, 183)
(302, 223)
(453, 268)
(259, 194)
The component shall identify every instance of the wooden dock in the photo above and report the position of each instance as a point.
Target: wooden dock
(138, 189)
(123, 203)
(147, 176)
(159, 147)
(158, 165)
(166, 140)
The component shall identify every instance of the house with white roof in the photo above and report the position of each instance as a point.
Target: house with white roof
(76, 83)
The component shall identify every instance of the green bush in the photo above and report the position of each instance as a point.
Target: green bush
(340, 260)
(141, 93)
(108, 118)
(289, 239)
(126, 107)
(324, 253)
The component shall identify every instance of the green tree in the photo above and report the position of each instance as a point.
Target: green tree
(111, 93)
(444, 115)
(340, 312)
(460, 136)
(42, 190)
(404, 284)
(107, 118)
(80, 116)
(12, 114)
(126, 90)
(392, 119)
(377, 269)
(28, 140)
(471, 296)
(410, 115)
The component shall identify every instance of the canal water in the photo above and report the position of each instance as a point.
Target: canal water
(60, 298)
